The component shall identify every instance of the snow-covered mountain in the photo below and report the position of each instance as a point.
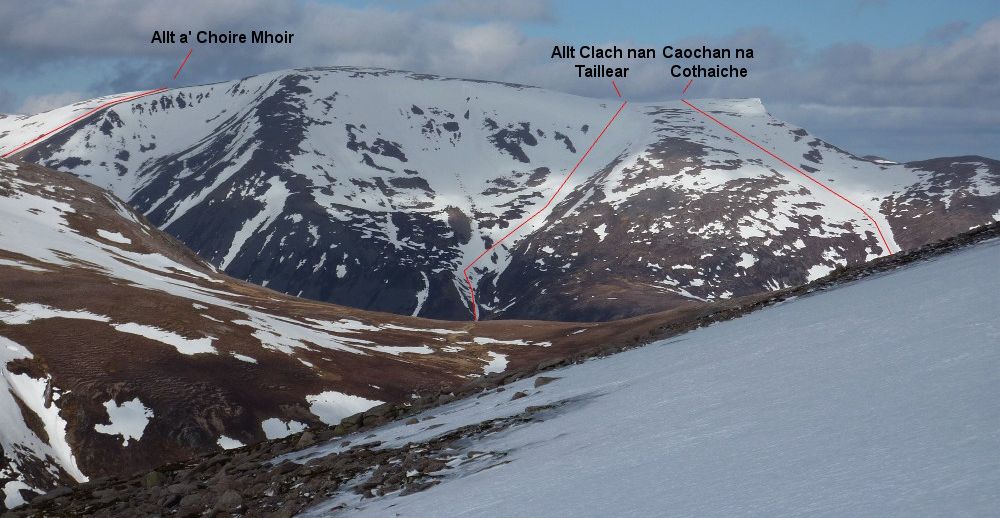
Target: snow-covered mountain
(376, 188)
(120, 349)
(874, 395)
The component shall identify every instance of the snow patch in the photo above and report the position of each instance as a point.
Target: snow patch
(275, 428)
(817, 271)
(396, 350)
(114, 237)
(128, 420)
(601, 231)
(189, 346)
(497, 363)
(274, 203)
(228, 443)
(422, 294)
(746, 260)
(31, 391)
(244, 358)
(21, 265)
(482, 340)
(29, 312)
(332, 406)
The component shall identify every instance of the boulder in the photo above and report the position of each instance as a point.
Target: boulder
(230, 500)
(306, 439)
(543, 380)
(153, 479)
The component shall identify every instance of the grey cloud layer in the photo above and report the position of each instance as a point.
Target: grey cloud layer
(833, 88)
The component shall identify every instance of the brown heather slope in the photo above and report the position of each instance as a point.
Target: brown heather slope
(260, 481)
(80, 273)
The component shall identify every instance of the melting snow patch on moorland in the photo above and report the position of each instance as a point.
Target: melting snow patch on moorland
(183, 345)
(332, 406)
(29, 312)
(114, 237)
(128, 420)
(228, 443)
(497, 363)
(275, 428)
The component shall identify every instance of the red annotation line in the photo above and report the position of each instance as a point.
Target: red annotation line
(797, 170)
(183, 62)
(684, 91)
(472, 291)
(81, 117)
(616, 88)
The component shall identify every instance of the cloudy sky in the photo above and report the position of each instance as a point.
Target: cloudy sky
(902, 79)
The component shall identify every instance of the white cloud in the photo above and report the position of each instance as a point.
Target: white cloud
(486, 40)
(44, 103)
(485, 47)
(513, 10)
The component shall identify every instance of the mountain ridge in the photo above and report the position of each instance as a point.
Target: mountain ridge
(381, 199)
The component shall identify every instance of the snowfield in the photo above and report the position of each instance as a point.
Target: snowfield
(879, 398)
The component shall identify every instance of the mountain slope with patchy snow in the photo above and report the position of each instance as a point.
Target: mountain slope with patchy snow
(375, 188)
(868, 392)
(120, 349)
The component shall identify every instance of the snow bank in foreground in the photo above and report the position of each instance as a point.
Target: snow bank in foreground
(879, 398)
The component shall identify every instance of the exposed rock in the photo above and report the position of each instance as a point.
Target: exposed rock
(53, 494)
(229, 501)
(307, 438)
(543, 380)
(181, 488)
(152, 479)
(193, 501)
